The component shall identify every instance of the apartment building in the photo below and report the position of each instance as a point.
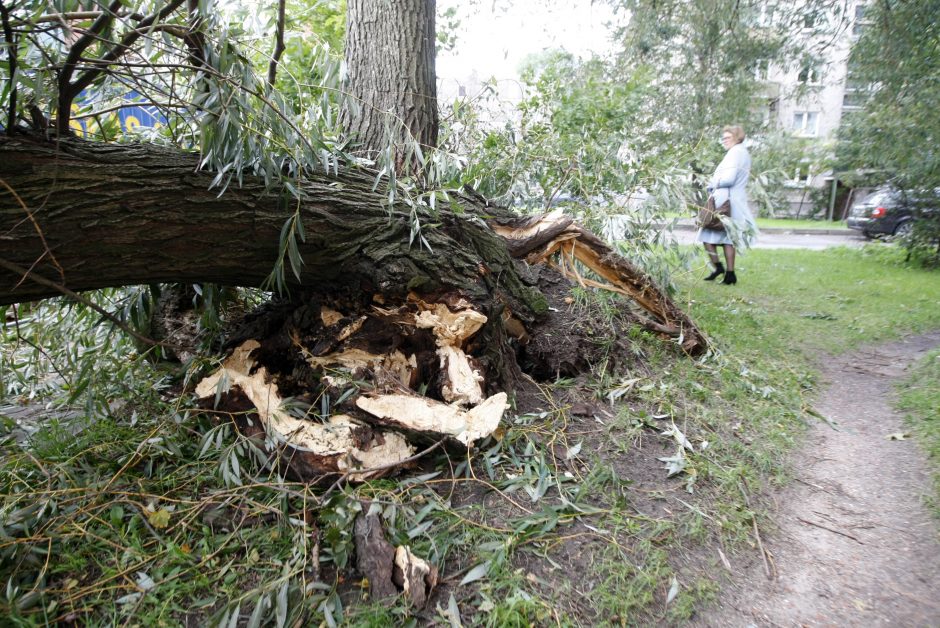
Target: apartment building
(811, 98)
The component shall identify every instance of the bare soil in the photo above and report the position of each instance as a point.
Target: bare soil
(854, 544)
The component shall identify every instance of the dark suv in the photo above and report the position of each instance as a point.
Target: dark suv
(886, 211)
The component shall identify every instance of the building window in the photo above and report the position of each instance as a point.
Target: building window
(802, 175)
(809, 19)
(857, 85)
(810, 73)
(762, 70)
(805, 123)
(859, 23)
(771, 112)
(854, 99)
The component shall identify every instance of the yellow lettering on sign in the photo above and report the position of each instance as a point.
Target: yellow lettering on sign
(131, 123)
(76, 125)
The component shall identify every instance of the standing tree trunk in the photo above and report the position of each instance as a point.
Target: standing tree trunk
(391, 80)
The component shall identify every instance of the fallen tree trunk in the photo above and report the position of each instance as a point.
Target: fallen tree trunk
(433, 331)
(89, 215)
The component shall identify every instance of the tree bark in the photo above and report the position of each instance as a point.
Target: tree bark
(85, 215)
(90, 215)
(391, 80)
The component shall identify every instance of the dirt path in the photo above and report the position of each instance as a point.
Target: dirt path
(854, 545)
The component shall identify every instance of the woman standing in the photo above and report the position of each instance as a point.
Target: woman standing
(728, 182)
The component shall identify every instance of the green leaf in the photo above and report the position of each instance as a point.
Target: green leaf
(116, 515)
(477, 573)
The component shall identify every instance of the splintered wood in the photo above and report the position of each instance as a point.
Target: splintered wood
(554, 236)
(335, 446)
(400, 349)
(390, 570)
(375, 431)
(436, 419)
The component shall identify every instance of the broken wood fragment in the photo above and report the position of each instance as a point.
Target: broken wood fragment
(339, 445)
(416, 577)
(462, 382)
(358, 362)
(425, 416)
(375, 556)
(329, 316)
(569, 241)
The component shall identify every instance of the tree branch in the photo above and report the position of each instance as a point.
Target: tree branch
(66, 95)
(74, 16)
(126, 42)
(196, 40)
(278, 43)
(29, 274)
(11, 52)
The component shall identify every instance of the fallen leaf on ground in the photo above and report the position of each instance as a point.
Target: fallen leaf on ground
(673, 590)
(159, 519)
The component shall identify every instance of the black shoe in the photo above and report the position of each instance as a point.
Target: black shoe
(730, 278)
(719, 270)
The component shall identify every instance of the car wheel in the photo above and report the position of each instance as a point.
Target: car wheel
(868, 235)
(904, 229)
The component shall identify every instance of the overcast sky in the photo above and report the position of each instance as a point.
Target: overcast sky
(494, 37)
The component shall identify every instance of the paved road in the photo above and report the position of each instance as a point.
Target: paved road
(772, 238)
(787, 240)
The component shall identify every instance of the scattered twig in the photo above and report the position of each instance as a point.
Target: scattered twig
(769, 569)
(39, 232)
(816, 486)
(24, 272)
(725, 561)
(697, 511)
(813, 412)
(771, 573)
(818, 525)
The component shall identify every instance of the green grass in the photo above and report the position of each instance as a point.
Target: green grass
(795, 301)
(144, 516)
(920, 399)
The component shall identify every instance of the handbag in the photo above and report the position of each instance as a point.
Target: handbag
(709, 217)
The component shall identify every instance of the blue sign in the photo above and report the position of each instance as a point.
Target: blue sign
(132, 114)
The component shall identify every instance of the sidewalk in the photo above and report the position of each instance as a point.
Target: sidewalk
(688, 224)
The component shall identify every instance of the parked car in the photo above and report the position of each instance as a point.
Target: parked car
(888, 211)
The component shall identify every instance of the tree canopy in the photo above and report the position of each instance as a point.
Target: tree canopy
(708, 59)
(897, 57)
(894, 137)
